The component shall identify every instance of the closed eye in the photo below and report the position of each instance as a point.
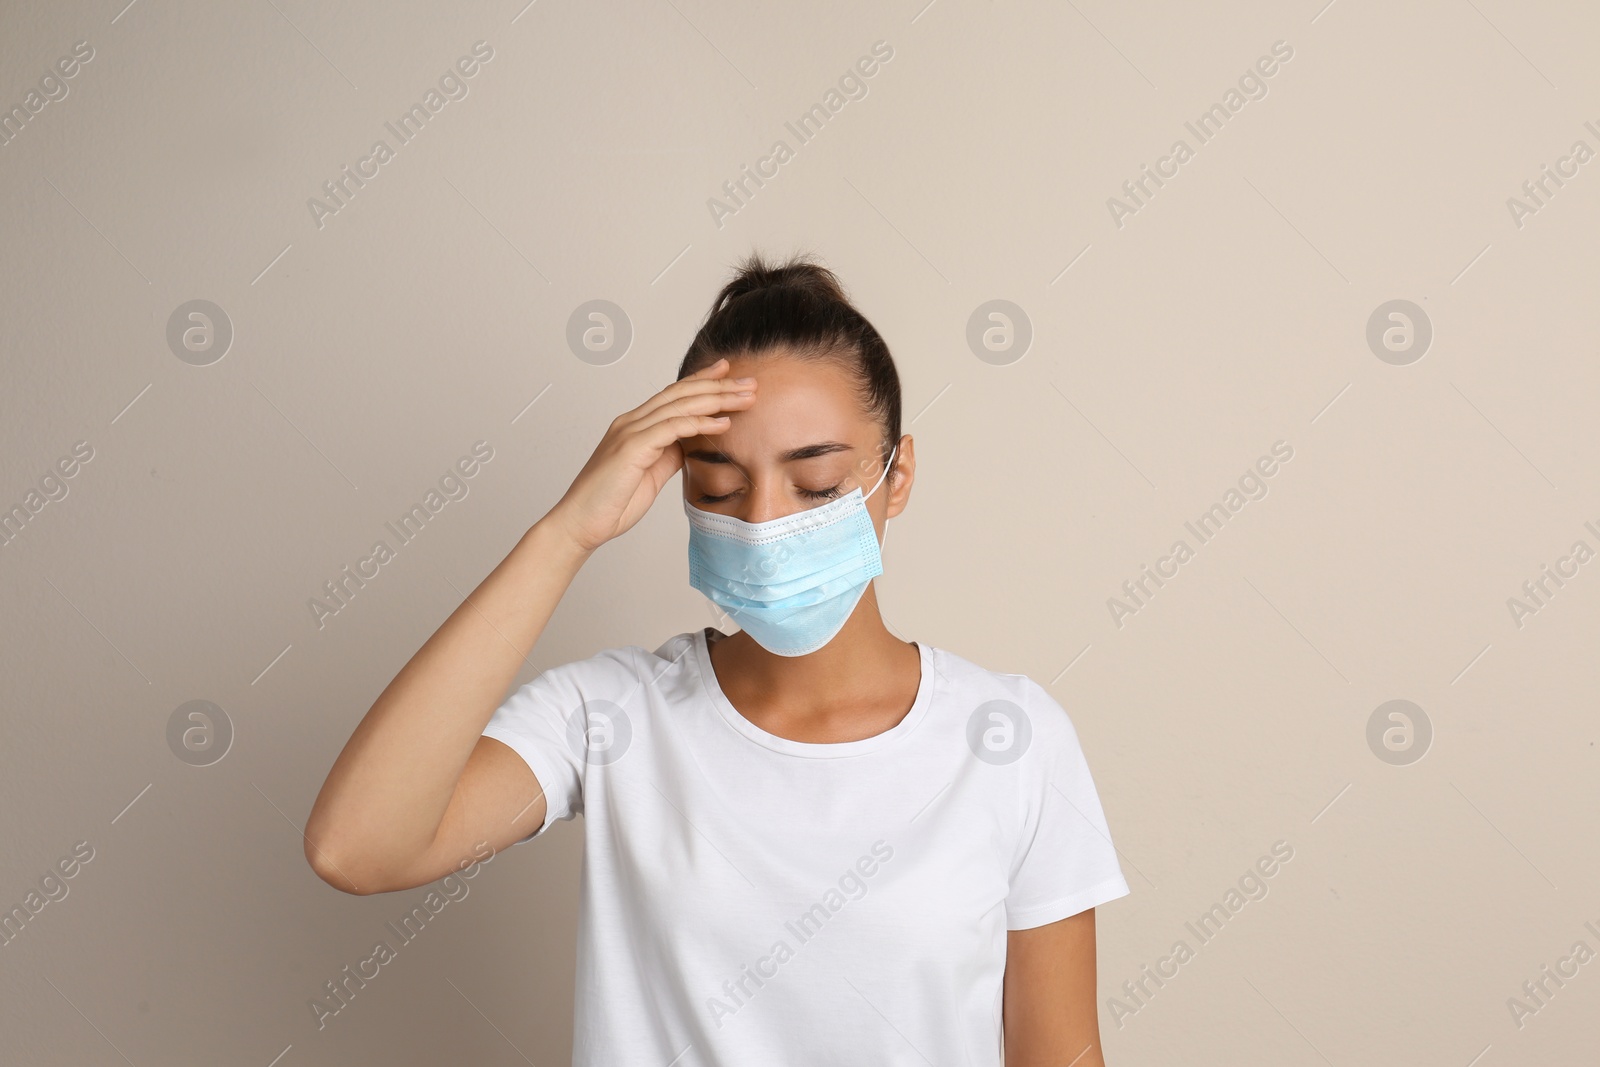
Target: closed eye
(810, 494)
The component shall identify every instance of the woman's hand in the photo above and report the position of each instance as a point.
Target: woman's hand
(642, 449)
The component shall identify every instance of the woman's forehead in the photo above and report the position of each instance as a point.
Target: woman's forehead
(803, 409)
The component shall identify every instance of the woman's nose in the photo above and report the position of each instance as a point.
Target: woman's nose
(763, 504)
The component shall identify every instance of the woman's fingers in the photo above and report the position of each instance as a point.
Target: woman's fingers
(610, 493)
(695, 404)
(698, 393)
(660, 434)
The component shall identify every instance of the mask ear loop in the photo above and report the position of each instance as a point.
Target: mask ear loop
(881, 477)
(885, 473)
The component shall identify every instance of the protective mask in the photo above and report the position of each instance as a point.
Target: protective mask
(791, 582)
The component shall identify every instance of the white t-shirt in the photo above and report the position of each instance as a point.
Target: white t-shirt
(748, 899)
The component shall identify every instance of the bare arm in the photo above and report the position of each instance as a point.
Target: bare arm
(376, 824)
(1050, 1016)
(417, 786)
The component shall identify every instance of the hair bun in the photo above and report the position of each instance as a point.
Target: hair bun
(798, 272)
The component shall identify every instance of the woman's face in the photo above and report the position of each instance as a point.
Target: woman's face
(804, 441)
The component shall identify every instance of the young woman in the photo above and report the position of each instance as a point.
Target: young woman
(806, 842)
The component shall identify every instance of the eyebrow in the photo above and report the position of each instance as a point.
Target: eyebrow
(823, 448)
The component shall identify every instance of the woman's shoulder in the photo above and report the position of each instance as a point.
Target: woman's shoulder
(961, 674)
(986, 693)
(675, 648)
(674, 658)
(619, 663)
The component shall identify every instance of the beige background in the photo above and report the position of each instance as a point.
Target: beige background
(1228, 314)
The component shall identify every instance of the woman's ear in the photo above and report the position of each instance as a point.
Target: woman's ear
(901, 475)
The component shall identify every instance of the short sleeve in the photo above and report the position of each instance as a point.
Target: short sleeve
(546, 721)
(1065, 862)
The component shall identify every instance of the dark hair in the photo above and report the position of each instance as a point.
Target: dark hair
(800, 306)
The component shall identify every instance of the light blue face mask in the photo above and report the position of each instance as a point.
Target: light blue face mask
(791, 582)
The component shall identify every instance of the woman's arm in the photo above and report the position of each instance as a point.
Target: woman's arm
(1050, 1015)
(417, 786)
(376, 826)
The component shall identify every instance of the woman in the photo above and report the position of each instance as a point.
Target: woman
(806, 842)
